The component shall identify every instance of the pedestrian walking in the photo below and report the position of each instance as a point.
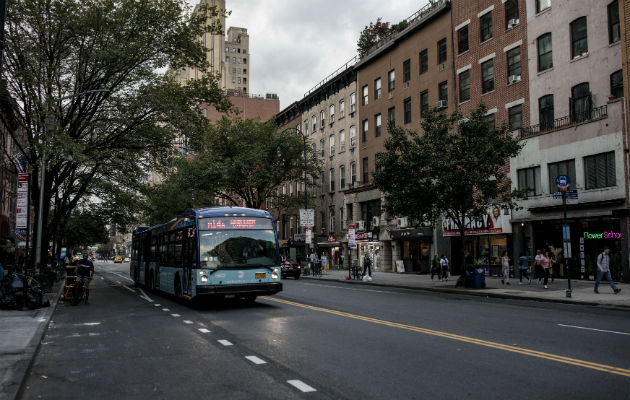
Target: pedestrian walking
(444, 267)
(523, 267)
(538, 271)
(544, 263)
(505, 268)
(603, 267)
(436, 267)
(367, 263)
(341, 261)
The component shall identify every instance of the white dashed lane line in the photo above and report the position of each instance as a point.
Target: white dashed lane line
(188, 322)
(175, 315)
(158, 305)
(166, 310)
(301, 386)
(256, 360)
(225, 342)
(203, 330)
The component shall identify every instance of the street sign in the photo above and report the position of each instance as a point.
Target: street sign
(566, 233)
(352, 239)
(308, 235)
(563, 182)
(567, 249)
(572, 196)
(307, 217)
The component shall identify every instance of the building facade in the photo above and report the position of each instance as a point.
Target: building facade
(577, 129)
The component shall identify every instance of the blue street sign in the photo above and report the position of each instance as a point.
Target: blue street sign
(563, 182)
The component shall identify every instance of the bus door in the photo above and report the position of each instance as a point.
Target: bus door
(189, 248)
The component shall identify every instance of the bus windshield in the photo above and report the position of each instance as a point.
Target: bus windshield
(237, 248)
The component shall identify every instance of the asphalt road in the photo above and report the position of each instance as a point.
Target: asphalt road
(328, 340)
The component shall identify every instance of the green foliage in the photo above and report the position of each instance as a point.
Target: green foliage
(85, 229)
(92, 69)
(455, 165)
(370, 35)
(401, 26)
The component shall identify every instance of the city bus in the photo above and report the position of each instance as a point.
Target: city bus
(209, 252)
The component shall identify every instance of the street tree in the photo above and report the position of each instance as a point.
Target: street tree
(454, 168)
(85, 228)
(93, 101)
(247, 161)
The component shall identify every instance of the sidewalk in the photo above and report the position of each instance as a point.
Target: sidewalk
(20, 336)
(582, 291)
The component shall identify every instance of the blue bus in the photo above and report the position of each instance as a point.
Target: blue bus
(215, 251)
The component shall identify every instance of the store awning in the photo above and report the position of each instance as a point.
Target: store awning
(328, 244)
(412, 234)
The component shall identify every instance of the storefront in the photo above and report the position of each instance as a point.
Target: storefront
(331, 250)
(415, 249)
(367, 244)
(486, 237)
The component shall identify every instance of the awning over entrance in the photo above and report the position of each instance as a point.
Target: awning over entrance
(329, 244)
(413, 234)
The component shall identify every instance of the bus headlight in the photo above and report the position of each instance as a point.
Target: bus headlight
(274, 275)
(204, 277)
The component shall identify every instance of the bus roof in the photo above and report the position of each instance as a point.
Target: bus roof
(230, 212)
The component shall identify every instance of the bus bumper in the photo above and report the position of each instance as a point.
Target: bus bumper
(257, 289)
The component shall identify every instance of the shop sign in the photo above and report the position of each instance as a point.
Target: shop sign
(332, 238)
(602, 235)
(298, 238)
(364, 236)
(308, 235)
(491, 223)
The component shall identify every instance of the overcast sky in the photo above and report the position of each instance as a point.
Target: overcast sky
(294, 44)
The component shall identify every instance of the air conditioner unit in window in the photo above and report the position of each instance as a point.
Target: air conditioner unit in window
(514, 78)
(375, 221)
(512, 23)
(360, 225)
(442, 103)
(406, 84)
(390, 95)
(402, 222)
(441, 67)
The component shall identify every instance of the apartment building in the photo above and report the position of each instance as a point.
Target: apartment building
(227, 55)
(579, 129)
(397, 80)
(328, 118)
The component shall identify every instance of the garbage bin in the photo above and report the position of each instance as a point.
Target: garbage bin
(479, 278)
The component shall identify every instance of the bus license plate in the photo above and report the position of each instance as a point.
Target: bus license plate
(260, 275)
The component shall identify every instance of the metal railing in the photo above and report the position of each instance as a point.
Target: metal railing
(576, 118)
(349, 64)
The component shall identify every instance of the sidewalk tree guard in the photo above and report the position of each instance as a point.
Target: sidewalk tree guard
(453, 166)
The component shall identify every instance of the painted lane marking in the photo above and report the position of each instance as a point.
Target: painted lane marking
(129, 289)
(88, 324)
(175, 315)
(593, 329)
(144, 296)
(188, 322)
(102, 278)
(158, 305)
(203, 330)
(122, 276)
(166, 310)
(514, 349)
(256, 360)
(225, 342)
(346, 288)
(301, 386)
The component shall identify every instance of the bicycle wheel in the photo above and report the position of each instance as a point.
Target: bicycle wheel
(77, 292)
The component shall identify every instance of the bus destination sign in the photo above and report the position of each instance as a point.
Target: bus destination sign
(227, 223)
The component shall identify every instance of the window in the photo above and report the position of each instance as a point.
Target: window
(614, 29)
(391, 115)
(314, 121)
(514, 63)
(377, 125)
(391, 78)
(441, 51)
(365, 170)
(342, 177)
(424, 102)
(331, 112)
(364, 99)
(443, 91)
(353, 102)
(342, 109)
(353, 136)
(407, 110)
(322, 117)
(321, 148)
(244, 60)
(306, 127)
(529, 181)
(233, 60)
(291, 189)
(616, 84)
(515, 117)
(464, 86)
(487, 76)
(331, 142)
(542, 5)
(491, 121)
(580, 102)
(406, 70)
(331, 213)
(462, 40)
(511, 13)
(342, 141)
(561, 168)
(485, 23)
(364, 132)
(579, 40)
(323, 182)
(424, 61)
(599, 170)
(545, 60)
(331, 179)
(377, 88)
(545, 112)
(353, 173)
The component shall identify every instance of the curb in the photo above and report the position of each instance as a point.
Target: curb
(35, 344)
(467, 292)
